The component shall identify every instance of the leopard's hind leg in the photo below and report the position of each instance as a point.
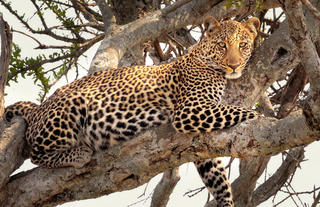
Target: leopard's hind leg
(74, 157)
(213, 175)
(57, 140)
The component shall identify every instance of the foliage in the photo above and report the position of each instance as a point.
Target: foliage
(79, 26)
(236, 3)
(72, 34)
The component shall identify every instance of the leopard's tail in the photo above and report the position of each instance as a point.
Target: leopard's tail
(21, 108)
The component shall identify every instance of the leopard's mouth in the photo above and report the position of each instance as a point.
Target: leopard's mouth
(232, 73)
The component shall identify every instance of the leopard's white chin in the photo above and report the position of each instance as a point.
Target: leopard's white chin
(234, 75)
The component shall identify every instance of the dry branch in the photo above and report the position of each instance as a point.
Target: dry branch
(154, 24)
(302, 38)
(157, 150)
(11, 148)
(160, 149)
(251, 169)
(5, 53)
(296, 83)
(151, 26)
(276, 181)
(165, 187)
(11, 139)
(314, 11)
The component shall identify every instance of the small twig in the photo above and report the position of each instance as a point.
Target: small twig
(303, 192)
(208, 198)
(140, 201)
(25, 34)
(263, 34)
(294, 158)
(144, 191)
(44, 24)
(76, 53)
(291, 195)
(229, 166)
(194, 192)
(283, 200)
(172, 48)
(316, 200)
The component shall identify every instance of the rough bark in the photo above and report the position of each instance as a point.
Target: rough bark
(134, 163)
(11, 142)
(11, 149)
(6, 46)
(301, 35)
(160, 149)
(276, 181)
(211, 203)
(113, 48)
(108, 17)
(165, 187)
(296, 83)
(159, 22)
(250, 171)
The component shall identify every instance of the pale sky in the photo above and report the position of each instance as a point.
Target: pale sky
(25, 90)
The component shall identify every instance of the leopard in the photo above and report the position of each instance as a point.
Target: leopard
(112, 106)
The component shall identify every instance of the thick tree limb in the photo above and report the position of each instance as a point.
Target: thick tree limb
(310, 60)
(312, 9)
(276, 181)
(154, 24)
(266, 107)
(5, 53)
(159, 149)
(11, 148)
(141, 30)
(296, 83)
(108, 17)
(250, 171)
(11, 142)
(165, 187)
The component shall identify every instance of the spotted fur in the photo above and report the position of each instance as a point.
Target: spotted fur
(213, 174)
(112, 106)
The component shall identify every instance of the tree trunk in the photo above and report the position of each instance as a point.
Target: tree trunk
(160, 149)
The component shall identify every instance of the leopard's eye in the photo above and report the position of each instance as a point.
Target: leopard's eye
(243, 44)
(222, 44)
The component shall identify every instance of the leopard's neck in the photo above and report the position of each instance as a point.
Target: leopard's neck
(195, 67)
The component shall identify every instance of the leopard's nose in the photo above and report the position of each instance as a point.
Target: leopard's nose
(234, 66)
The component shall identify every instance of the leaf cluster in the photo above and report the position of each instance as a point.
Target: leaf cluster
(70, 28)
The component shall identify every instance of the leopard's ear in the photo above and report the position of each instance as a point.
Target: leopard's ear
(253, 25)
(210, 25)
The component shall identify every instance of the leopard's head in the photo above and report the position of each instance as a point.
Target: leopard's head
(229, 44)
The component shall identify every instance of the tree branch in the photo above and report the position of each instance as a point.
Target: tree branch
(301, 36)
(250, 170)
(112, 49)
(276, 181)
(5, 53)
(159, 149)
(314, 11)
(108, 16)
(295, 84)
(11, 149)
(154, 24)
(11, 139)
(165, 187)
(129, 165)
